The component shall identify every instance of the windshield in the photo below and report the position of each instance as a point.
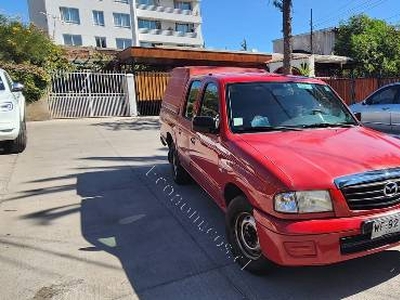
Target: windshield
(265, 106)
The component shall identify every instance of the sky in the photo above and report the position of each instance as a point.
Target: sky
(226, 23)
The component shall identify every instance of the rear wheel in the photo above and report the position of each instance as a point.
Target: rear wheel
(243, 236)
(19, 144)
(179, 174)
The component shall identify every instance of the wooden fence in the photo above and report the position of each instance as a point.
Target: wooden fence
(355, 90)
(150, 88)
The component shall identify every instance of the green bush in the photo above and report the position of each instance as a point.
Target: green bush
(29, 56)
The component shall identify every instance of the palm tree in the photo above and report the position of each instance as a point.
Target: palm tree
(285, 6)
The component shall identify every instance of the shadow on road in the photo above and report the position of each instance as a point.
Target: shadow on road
(165, 255)
(133, 124)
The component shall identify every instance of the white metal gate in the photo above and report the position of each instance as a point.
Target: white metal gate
(86, 94)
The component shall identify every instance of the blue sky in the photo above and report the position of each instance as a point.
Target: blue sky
(227, 22)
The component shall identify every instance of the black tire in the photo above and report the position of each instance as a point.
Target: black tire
(179, 174)
(242, 236)
(19, 144)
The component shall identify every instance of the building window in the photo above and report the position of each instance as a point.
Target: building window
(101, 42)
(122, 1)
(72, 40)
(98, 18)
(123, 43)
(122, 20)
(70, 15)
(185, 28)
(148, 2)
(183, 5)
(146, 44)
(150, 24)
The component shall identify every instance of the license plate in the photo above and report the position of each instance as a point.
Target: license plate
(385, 225)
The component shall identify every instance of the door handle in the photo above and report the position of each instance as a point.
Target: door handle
(385, 108)
(193, 140)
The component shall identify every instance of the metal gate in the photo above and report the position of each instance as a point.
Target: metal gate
(86, 94)
(150, 88)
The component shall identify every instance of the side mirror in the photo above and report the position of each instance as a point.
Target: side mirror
(204, 124)
(364, 102)
(358, 116)
(17, 87)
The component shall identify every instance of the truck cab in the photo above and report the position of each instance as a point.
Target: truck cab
(302, 182)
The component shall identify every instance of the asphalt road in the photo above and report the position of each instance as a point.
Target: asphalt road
(86, 213)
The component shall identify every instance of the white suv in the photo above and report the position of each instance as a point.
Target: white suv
(12, 115)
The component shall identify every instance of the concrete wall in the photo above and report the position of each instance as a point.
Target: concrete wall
(323, 42)
(36, 8)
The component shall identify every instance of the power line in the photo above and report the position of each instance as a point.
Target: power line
(338, 11)
(366, 6)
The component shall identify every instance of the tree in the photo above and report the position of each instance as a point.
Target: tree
(29, 55)
(285, 6)
(372, 43)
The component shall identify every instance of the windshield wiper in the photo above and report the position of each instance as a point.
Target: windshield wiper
(325, 125)
(270, 128)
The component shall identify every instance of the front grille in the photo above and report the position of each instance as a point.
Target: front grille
(359, 243)
(366, 191)
(369, 195)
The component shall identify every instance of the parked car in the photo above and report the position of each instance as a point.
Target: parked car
(302, 182)
(13, 136)
(381, 109)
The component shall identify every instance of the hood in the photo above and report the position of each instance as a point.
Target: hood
(312, 159)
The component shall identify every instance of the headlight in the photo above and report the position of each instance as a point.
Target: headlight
(303, 202)
(6, 106)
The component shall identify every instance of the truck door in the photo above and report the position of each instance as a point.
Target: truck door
(185, 127)
(204, 146)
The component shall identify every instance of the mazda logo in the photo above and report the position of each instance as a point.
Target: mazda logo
(391, 188)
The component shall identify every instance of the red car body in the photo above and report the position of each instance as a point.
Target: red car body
(260, 165)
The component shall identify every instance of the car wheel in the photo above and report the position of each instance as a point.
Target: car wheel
(243, 237)
(179, 174)
(19, 144)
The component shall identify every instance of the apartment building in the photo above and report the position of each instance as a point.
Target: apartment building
(118, 24)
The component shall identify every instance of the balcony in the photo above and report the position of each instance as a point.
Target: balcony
(167, 36)
(168, 13)
(167, 32)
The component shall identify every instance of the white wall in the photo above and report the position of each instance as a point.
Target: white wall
(87, 29)
(53, 24)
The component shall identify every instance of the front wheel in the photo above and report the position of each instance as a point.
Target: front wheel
(243, 236)
(19, 144)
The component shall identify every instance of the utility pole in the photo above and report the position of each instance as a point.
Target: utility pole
(287, 36)
(311, 33)
(55, 19)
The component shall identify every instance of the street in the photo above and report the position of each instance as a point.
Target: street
(86, 212)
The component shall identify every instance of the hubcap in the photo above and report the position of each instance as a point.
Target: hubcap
(247, 236)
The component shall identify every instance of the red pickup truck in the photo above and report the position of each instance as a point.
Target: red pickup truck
(302, 182)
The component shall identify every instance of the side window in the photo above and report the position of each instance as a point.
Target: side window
(2, 86)
(191, 98)
(386, 96)
(210, 101)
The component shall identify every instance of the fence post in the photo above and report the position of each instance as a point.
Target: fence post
(130, 78)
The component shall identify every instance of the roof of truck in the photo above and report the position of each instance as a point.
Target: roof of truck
(233, 74)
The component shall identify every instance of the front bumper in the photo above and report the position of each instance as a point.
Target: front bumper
(8, 131)
(320, 241)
